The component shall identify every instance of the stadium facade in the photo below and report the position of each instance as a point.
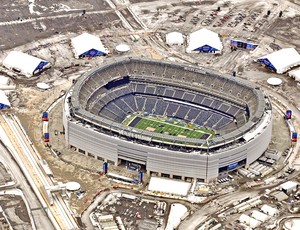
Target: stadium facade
(237, 110)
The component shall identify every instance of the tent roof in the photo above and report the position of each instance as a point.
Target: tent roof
(289, 185)
(86, 42)
(165, 185)
(283, 59)
(295, 74)
(174, 38)
(269, 210)
(22, 61)
(3, 98)
(259, 216)
(204, 37)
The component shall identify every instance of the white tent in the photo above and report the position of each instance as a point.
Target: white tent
(251, 222)
(24, 63)
(174, 38)
(88, 45)
(165, 185)
(289, 186)
(295, 74)
(269, 210)
(4, 102)
(204, 40)
(281, 60)
(260, 216)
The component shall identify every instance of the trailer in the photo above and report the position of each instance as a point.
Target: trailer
(46, 137)
(45, 116)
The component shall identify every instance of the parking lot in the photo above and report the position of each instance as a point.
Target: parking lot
(134, 211)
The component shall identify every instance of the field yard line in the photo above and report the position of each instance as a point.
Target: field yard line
(164, 122)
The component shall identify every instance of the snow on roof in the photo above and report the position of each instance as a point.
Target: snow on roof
(274, 81)
(176, 213)
(253, 223)
(3, 98)
(204, 37)
(283, 59)
(269, 210)
(4, 80)
(177, 187)
(23, 62)
(86, 42)
(295, 74)
(174, 38)
(289, 185)
(260, 216)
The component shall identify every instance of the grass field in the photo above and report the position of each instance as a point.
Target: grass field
(170, 126)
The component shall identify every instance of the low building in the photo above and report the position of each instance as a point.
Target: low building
(205, 41)
(280, 196)
(273, 154)
(88, 45)
(289, 187)
(24, 64)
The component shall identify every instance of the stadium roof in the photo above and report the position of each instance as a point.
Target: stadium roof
(281, 60)
(203, 38)
(87, 42)
(25, 63)
(174, 38)
(4, 102)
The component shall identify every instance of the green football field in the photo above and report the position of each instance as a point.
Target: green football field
(170, 126)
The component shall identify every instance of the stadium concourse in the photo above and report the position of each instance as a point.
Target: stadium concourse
(193, 125)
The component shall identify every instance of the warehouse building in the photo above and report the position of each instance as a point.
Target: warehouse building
(24, 64)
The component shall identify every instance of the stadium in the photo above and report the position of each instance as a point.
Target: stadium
(177, 120)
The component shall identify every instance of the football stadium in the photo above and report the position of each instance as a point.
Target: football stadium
(177, 120)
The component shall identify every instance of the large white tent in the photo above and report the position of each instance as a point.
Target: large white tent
(24, 63)
(281, 60)
(4, 102)
(260, 216)
(165, 185)
(174, 38)
(251, 222)
(88, 45)
(269, 210)
(204, 40)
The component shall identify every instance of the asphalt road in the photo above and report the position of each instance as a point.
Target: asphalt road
(40, 217)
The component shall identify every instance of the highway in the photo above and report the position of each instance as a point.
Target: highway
(39, 215)
(27, 158)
